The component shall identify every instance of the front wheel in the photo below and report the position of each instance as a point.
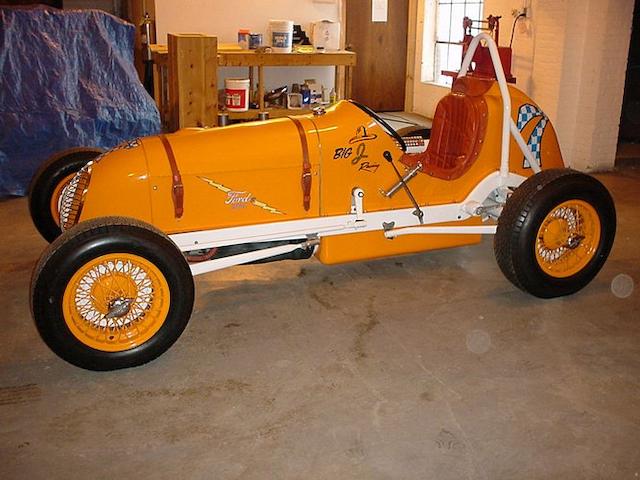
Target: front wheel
(111, 293)
(555, 232)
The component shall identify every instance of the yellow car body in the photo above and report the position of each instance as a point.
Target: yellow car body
(251, 174)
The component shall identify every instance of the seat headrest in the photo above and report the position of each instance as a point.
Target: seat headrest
(474, 87)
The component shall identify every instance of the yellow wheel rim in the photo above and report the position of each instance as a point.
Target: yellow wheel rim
(116, 302)
(55, 198)
(568, 238)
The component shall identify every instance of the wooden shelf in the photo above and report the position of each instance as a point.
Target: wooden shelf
(234, 57)
(249, 58)
(189, 62)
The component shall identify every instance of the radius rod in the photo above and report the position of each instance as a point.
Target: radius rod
(417, 212)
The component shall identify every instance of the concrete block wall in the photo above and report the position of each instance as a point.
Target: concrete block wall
(579, 66)
(590, 121)
(570, 56)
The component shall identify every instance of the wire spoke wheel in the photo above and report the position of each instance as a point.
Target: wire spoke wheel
(110, 293)
(568, 238)
(555, 232)
(116, 302)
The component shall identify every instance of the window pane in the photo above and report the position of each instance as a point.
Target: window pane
(447, 27)
(457, 14)
(455, 57)
(441, 57)
(444, 80)
(474, 11)
(442, 27)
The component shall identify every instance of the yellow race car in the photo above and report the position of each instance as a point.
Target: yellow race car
(116, 288)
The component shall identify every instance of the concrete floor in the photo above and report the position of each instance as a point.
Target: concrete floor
(423, 367)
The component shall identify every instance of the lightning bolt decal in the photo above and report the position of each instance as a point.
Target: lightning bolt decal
(254, 201)
(219, 186)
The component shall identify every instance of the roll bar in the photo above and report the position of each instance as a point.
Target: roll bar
(508, 125)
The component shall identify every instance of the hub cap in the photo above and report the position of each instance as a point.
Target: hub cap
(568, 238)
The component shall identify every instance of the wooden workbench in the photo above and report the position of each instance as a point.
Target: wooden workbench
(232, 56)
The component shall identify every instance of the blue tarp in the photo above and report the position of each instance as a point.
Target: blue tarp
(67, 79)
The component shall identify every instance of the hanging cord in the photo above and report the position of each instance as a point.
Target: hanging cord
(513, 29)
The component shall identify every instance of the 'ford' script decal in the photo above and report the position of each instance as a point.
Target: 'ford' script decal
(240, 198)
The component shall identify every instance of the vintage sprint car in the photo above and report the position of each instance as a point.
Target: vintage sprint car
(116, 288)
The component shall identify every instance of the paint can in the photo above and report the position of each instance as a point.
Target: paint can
(281, 35)
(255, 41)
(243, 38)
(236, 92)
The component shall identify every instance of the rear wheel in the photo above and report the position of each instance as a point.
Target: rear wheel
(48, 184)
(555, 232)
(111, 293)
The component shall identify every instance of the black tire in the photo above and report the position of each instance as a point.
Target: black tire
(74, 250)
(45, 181)
(516, 238)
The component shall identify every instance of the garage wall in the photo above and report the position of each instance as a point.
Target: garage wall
(223, 18)
(570, 56)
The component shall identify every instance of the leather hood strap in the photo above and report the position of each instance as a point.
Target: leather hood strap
(177, 188)
(306, 165)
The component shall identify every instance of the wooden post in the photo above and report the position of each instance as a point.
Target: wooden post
(348, 82)
(252, 93)
(135, 13)
(340, 81)
(261, 88)
(193, 80)
(157, 86)
(411, 55)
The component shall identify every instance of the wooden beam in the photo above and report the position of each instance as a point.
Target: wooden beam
(261, 88)
(348, 83)
(193, 80)
(340, 80)
(411, 55)
(135, 13)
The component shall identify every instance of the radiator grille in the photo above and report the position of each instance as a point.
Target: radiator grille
(72, 197)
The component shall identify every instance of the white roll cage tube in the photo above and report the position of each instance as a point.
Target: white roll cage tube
(487, 195)
(508, 124)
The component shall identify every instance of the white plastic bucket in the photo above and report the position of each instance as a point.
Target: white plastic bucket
(281, 35)
(236, 92)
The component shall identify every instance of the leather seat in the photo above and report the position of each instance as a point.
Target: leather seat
(458, 131)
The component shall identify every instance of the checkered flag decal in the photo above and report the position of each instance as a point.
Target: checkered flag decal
(527, 113)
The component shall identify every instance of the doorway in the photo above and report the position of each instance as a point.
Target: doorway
(379, 77)
(629, 134)
(630, 119)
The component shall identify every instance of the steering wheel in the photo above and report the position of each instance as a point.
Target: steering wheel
(383, 123)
